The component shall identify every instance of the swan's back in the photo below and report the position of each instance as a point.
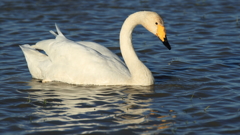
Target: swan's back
(75, 62)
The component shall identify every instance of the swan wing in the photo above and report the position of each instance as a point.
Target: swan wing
(76, 63)
(102, 49)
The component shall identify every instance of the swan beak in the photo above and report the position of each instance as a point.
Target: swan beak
(161, 34)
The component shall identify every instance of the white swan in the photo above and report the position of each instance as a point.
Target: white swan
(90, 63)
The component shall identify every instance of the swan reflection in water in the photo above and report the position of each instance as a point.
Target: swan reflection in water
(95, 105)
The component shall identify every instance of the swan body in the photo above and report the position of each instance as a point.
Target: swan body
(93, 64)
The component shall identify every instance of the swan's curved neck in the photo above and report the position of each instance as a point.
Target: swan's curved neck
(140, 74)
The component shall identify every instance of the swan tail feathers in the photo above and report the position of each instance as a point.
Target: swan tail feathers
(34, 58)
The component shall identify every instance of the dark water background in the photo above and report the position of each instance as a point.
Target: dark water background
(197, 83)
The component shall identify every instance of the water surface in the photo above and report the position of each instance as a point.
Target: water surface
(196, 87)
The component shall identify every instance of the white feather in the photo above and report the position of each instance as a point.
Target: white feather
(88, 62)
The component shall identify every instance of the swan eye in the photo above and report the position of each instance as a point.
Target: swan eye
(156, 23)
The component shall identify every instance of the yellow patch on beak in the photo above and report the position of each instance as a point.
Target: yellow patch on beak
(161, 33)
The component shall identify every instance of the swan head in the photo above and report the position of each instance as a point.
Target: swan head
(154, 23)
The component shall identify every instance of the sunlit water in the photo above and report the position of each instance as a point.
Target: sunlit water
(196, 87)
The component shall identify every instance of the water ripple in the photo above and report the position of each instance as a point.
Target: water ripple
(196, 87)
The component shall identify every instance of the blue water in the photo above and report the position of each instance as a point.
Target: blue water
(196, 87)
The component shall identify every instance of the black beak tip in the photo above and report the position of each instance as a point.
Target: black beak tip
(167, 45)
(165, 42)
